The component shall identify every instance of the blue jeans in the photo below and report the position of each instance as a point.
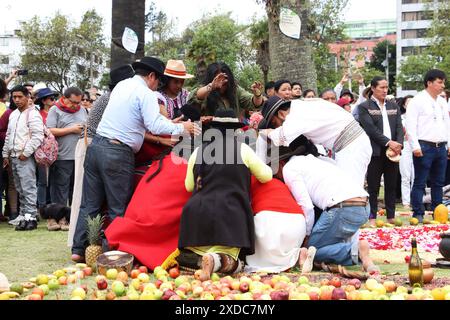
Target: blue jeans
(334, 235)
(431, 166)
(108, 175)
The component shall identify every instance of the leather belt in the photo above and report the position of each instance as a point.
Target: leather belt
(433, 144)
(349, 204)
(114, 141)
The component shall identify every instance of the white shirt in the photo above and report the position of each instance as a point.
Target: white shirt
(132, 110)
(318, 120)
(427, 119)
(386, 126)
(314, 181)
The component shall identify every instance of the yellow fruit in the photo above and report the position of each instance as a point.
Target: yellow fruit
(434, 222)
(379, 223)
(16, 287)
(42, 279)
(426, 221)
(4, 296)
(438, 294)
(398, 222)
(441, 213)
(414, 221)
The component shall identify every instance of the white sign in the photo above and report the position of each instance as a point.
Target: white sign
(290, 23)
(130, 40)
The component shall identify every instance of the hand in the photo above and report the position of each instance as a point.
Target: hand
(257, 89)
(192, 128)
(361, 80)
(448, 152)
(13, 74)
(5, 162)
(219, 81)
(168, 142)
(77, 129)
(344, 79)
(22, 158)
(178, 120)
(395, 146)
(206, 119)
(418, 153)
(265, 133)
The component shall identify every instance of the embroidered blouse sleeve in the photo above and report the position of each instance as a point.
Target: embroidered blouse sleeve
(189, 181)
(261, 171)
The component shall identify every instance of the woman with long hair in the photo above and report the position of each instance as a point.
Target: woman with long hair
(220, 90)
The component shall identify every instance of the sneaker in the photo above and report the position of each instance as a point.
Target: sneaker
(16, 221)
(52, 225)
(21, 226)
(77, 258)
(64, 224)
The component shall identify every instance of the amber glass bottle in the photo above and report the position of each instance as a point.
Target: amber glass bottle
(415, 269)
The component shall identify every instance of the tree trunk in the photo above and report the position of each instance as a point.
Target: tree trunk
(291, 58)
(129, 14)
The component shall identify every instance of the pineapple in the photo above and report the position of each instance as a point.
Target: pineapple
(94, 249)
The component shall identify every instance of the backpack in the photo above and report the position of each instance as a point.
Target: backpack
(47, 153)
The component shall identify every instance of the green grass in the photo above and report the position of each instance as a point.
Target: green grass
(26, 254)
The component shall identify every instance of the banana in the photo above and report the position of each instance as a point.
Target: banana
(11, 294)
(4, 296)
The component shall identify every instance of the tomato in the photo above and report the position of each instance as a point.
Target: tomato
(174, 272)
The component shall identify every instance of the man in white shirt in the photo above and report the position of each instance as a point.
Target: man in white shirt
(318, 182)
(323, 123)
(428, 128)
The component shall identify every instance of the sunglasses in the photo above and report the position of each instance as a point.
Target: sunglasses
(89, 100)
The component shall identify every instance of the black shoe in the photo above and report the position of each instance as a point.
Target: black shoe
(21, 226)
(31, 225)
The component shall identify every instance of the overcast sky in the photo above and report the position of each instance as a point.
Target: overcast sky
(184, 12)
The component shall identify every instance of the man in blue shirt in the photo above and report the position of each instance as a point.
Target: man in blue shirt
(109, 166)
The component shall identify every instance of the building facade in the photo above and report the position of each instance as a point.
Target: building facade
(10, 51)
(414, 18)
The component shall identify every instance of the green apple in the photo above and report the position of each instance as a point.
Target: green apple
(45, 288)
(111, 274)
(118, 287)
(80, 293)
(53, 284)
(303, 280)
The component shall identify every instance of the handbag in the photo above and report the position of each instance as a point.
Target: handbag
(47, 153)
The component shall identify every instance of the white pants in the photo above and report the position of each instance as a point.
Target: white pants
(80, 154)
(355, 158)
(278, 240)
(407, 173)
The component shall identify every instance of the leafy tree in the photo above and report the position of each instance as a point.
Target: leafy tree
(378, 60)
(413, 69)
(259, 39)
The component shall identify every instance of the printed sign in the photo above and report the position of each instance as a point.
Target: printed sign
(290, 23)
(130, 40)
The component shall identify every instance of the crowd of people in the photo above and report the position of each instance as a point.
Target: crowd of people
(218, 177)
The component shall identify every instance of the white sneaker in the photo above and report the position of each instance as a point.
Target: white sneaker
(309, 262)
(16, 221)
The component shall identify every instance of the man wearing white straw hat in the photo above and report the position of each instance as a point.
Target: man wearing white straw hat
(172, 89)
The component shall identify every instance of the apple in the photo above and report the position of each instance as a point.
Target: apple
(353, 295)
(157, 294)
(158, 283)
(111, 274)
(87, 271)
(338, 294)
(244, 287)
(279, 295)
(45, 288)
(72, 278)
(134, 273)
(180, 280)
(110, 295)
(85, 288)
(174, 272)
(235, 285)
(355, 282)
(79, 274)
(143, 269)
(102, 284)
(167, 286)
(167, 294)
(371, 283)
(122, 276)
(143, 277)
(215, 277)
(335, 282)
(118, 287)
(313, 295)
(59, 273)
(79, 292)
(303, 280)
(349, 288)
(41, 279)
(53, 284)
(324, 282)
(39, 292)
(197, 291)
(401, 289)
(62, 280)
(325, 293)
(390, 286)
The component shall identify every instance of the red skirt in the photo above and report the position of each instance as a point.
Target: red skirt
(150, 228)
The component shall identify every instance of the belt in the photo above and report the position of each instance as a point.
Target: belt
(433, 144)
(349, 204)
(114, 141)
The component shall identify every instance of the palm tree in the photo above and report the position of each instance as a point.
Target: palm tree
(131, 14)
(291, 58)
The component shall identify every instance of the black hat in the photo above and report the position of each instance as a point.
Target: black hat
(269, 109)
(226, 118)
(44, 93)
(347, 91)
(298, 147)
(150, 63)
(119, 74)
(191, 112)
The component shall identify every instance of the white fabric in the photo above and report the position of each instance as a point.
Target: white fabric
(313, 181)
(278, 240)
(355, 158)
(427, 119)
(386, 125)
(80, 154)
(318, 120)
(407, 173)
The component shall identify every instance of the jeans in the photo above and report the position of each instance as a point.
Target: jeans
(332, 235)
(431, 166)
(108, 175)
(61, 173)
(24, 173)
(43, 190)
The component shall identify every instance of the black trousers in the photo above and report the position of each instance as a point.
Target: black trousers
(379, 166)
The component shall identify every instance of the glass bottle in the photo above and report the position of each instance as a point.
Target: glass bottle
(415, 270)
